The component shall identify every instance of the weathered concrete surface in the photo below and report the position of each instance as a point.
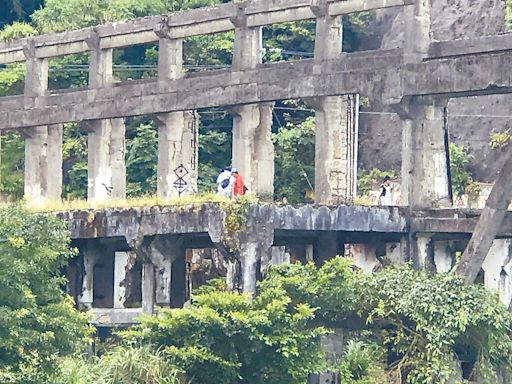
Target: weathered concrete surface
(424, 161)
(178, 133)
(43, 144)
(106, 137)
(136, 223)
(354, 73)
(488, 225)
(469, 23)
(140, 256)
(182, 24)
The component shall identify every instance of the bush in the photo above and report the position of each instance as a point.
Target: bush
(362, 363)
(459, 168)
(368, 179)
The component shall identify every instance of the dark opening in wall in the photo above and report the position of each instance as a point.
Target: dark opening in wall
(103, 282)
(133, 285)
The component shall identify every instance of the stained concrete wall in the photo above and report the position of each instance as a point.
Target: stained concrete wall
(380, 135)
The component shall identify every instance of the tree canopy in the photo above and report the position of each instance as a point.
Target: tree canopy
(38, 321)
(397, 322)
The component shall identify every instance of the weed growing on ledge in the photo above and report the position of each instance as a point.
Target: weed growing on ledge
(236, 220)
(144, 201)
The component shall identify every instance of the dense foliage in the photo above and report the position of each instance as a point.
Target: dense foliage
(459, 168)
(38, 321)
(398, 322)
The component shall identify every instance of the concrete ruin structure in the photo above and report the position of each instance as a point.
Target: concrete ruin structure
(132, 261)
(429, 74)
(135, 260)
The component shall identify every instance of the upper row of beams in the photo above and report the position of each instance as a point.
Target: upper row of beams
(193, 22)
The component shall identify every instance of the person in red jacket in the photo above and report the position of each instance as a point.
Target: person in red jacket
(238, 185)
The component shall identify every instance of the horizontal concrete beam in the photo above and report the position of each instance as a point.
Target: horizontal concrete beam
(365, 73)
(464, 47)
(461, 76)
(355, 73)
(354, 6)
(200, 220)
(183, 24)
(455, 225)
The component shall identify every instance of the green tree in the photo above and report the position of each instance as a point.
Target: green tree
(120, 365)
(17, 10)
(295, 159)
(141, 161)
(368, 179)
(38, 321)
(459, 168)
(227, 338)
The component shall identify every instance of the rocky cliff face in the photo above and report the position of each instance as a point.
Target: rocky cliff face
(470, 120)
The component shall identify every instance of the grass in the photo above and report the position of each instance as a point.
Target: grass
(143, 201)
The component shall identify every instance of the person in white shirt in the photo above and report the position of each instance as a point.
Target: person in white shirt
(386, 192)
(225, 182)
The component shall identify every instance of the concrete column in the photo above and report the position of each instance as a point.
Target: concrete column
(263, 166)
(253, 150)
(407, 160)
(498, 269)
(443, 256)
(43, 144)
(148, 288)
(417, 31)
(424, 252)
(179, 279)
(334, 171)
(332, 345)
(106, 138)
(167, 255)
(251, 254)
(178, 133)
(425, 181)
(86, 298)
(120, 270)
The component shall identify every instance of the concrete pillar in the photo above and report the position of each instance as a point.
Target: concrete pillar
(443, 256)
(43, 144)
(148, 288)
(498, 269)
(179, 279)
(425, 181)
(424, 252)
(162, 259)
(178, 133)
(417, 31)
(86, 298)
(253, 150)
(407, 160)
(106, 138)
(424, 161)
(334, 169)
(121, 267)
(332, 345)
